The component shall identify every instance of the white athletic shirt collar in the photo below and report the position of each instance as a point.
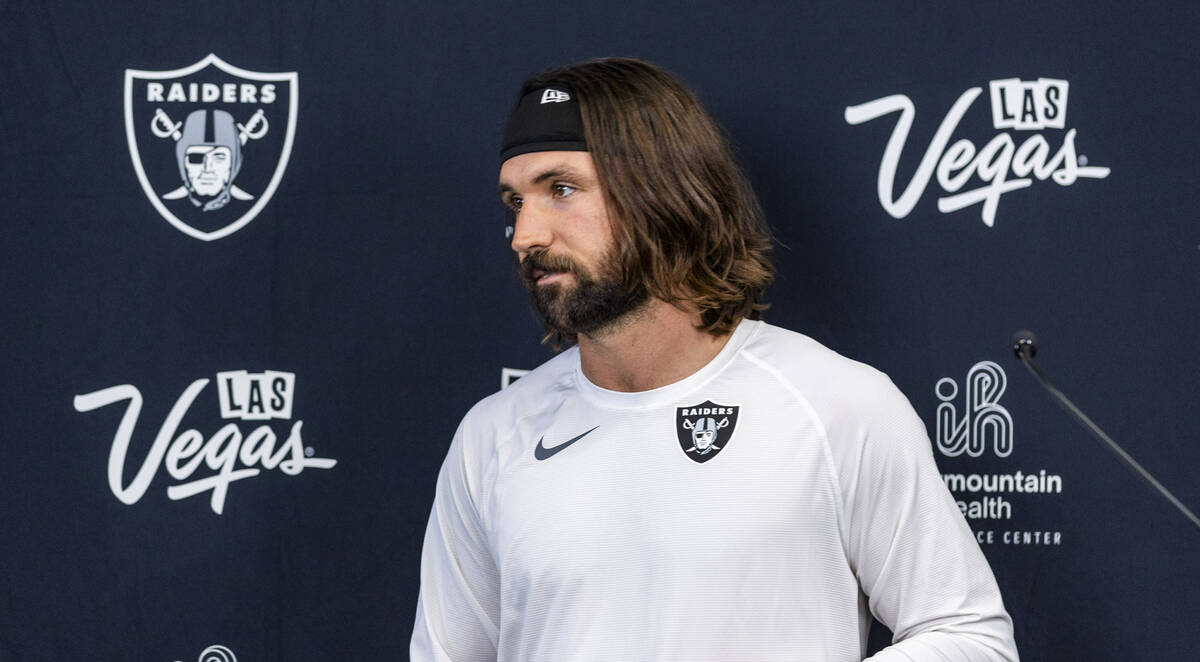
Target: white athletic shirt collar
(663, 395)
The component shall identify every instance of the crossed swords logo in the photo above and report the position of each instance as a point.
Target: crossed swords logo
(162, 126)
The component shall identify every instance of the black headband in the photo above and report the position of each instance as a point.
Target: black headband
(544, 120)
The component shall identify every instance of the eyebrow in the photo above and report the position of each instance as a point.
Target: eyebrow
(555, 171)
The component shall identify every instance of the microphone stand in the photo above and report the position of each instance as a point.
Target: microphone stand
(1025, 347)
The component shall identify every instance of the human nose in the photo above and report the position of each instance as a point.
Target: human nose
(531, 229)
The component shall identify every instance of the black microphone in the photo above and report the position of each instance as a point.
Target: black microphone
(1024, 345)
(1024, 341)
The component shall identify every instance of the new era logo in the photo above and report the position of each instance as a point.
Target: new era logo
(554, 96)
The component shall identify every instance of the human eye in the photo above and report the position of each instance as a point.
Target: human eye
(513, 202)
(562, 190)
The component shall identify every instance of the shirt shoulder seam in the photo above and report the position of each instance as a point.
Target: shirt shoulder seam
(826, 449)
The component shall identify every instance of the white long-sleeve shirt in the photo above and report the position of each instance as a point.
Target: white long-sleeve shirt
(760, 509)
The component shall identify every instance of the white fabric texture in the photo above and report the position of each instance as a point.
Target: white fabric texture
(822, 506)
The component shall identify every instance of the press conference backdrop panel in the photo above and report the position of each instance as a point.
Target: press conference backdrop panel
(233, 370)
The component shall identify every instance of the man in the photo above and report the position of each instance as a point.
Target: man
(686, 482)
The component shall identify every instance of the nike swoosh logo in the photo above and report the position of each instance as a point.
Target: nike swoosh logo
(542, 453)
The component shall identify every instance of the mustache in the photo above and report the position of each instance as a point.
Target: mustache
(543, 261)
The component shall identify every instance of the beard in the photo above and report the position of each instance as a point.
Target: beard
(593, 304)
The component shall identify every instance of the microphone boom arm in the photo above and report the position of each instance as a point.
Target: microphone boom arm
(1025, 347)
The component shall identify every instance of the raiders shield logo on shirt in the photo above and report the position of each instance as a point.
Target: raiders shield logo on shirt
(705, 429)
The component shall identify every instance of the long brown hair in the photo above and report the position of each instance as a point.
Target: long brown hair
(688, 226)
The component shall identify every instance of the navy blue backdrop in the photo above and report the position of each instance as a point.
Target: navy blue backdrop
(223, 419)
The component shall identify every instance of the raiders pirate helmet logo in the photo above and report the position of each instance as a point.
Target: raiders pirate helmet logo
(210, 141)
(705, 429)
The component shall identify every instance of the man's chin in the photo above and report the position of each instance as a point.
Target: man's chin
(550, 304)
(561, 315)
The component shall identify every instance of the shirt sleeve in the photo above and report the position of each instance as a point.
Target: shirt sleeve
(458, 609)
(913, 553)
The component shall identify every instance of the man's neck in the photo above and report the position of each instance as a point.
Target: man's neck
(655, 346)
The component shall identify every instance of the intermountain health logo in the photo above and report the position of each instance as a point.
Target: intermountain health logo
(229, 454)
(210, 141)
(969, 175)
(987, 487)
(983, 421)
